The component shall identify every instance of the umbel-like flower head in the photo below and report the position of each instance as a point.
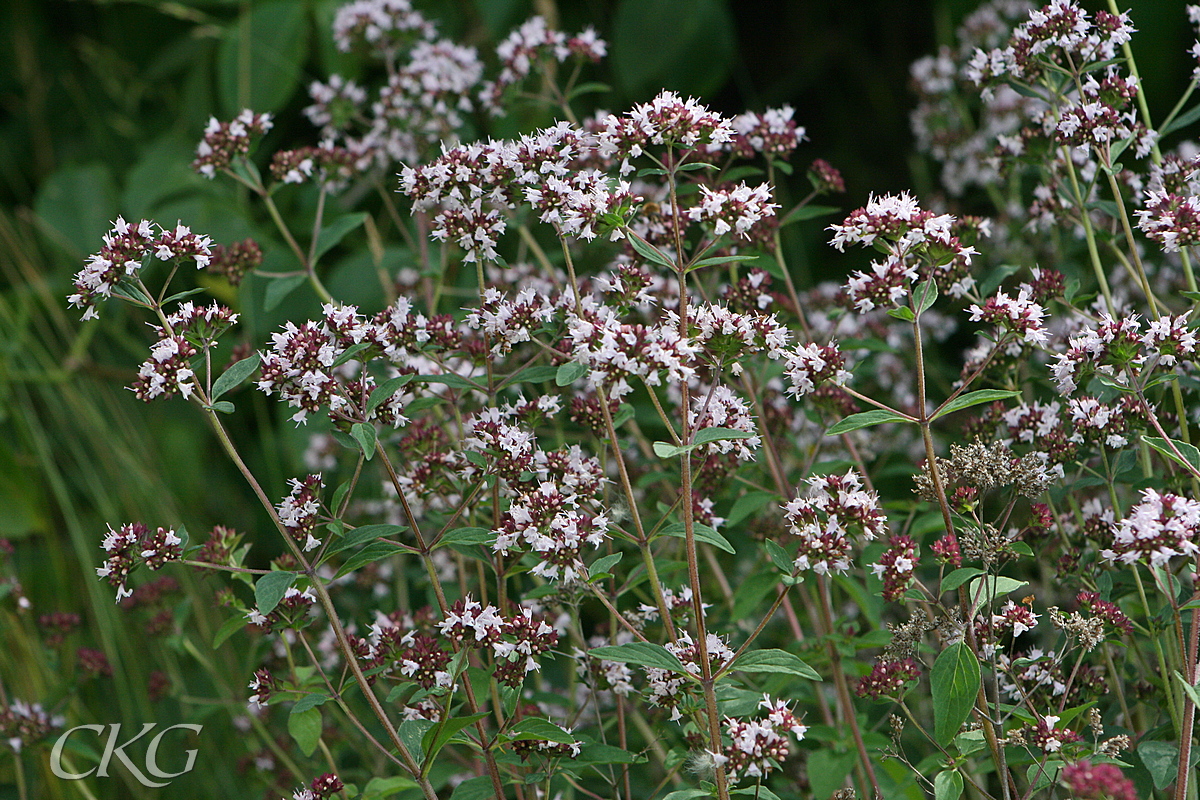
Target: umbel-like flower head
(1157, 529)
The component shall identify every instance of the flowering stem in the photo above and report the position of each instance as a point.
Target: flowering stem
(843, 690)
(1089, 233)
(351, 659)
(1185, 736)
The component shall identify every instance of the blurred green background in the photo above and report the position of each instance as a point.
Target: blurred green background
(101, 104)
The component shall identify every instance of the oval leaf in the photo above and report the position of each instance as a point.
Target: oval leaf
(955, 683)
(644, 654)
(865, 420)
(973, 399)
(773, 660)
(234, 376)
(305, 728)
(270, 588)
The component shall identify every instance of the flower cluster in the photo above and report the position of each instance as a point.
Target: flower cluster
(305, 362)
(126, 248)
(131, 545)
(896, 566)
(614, 351)
(224, 141)
(836, 510)
(1059, 27)
(515, 642)
(531, 43)
(1158, 528)
(909, 236)
(292, 610)
(330, 164)
(1170, 219)
(167, 371)
(888, 677)
(772, 133)
(236, 260)
(758, 746)
(324, 786)
(738, 209)
(383, 25)
(1019, 315)
(811, 365)
(505, 322)
(23, 724)
(546, 522)
(667, 120)
(722, 408)
(665, 685)
(298, 512)
(1119, 349)
(1109, 612)
(1088, 781)
(1013, 617)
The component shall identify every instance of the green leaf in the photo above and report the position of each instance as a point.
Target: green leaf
(780, 557)
(955, 683)
(270, 588)
(234, 376)
(710, 262)
(451, 379)
(706, 435)
(570, 372)
(478, 788)
(1189, 452)
(650, 252)
(541, 730)
(381, 788)
(591, 87)
(335, 231)
(412, 734)
(702, 532)
(924, 296)
(362, 534)
(279, 288)
(350, 352)
(772, 660)
(384, 391)
(305, 728)
(229, 628)
(948, 785)
(1161, 760)
(973, 399)
(369, 554)
(364, 433)
(903, 312)
(643, 654)
(865, 420)
(223, 406)
(597, 753)
(802, 213)
(604, 565)
(990, 587)
(132, 292)
(668, 450)
(467, 536)
(1182, 121)
(958, 577)
(437, 738)
(535, 374)
(309, 701)
(183, 294)
(747, 504)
